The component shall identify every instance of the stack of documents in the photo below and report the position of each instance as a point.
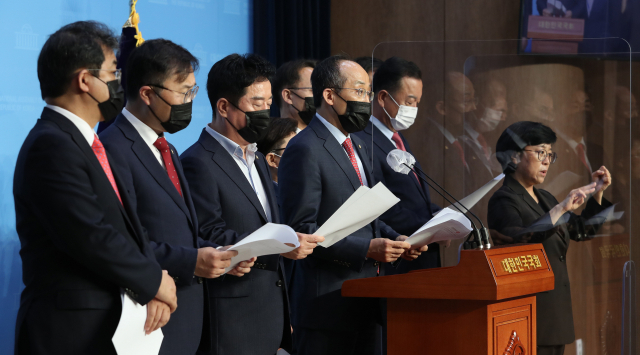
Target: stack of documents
(362, 208)
(449, 223)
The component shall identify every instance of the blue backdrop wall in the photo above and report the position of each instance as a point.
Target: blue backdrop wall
(210, 29)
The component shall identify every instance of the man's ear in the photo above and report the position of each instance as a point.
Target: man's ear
(286, 96)
(223, 107)
(81, 81)
(144, 93)
(440, 107)
(271, 160)
(381, 96)
(328, 96)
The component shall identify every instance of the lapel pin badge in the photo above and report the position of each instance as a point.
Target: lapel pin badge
(359, 146)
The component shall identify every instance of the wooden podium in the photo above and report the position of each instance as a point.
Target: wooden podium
(471, 308)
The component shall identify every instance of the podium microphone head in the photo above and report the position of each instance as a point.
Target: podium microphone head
(398, 158)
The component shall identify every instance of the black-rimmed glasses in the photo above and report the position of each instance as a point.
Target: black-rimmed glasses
(542, 155)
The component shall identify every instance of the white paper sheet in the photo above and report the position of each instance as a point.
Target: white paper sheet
(130, 337)
(269, 239)
(449, 223)
(360, 209)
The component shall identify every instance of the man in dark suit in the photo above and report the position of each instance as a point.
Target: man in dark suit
(292, 91)
(81, 239)
(398, 89)
(322, 167)
(160, 84)
(233, 196)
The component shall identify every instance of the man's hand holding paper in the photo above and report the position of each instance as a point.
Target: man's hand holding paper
(308, 242)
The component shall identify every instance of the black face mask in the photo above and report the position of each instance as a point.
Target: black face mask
(179, 117)
(111, 108)
(257, 122)
(309, 109)
(356, 117)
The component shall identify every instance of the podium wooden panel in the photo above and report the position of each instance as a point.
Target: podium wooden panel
(471, 308)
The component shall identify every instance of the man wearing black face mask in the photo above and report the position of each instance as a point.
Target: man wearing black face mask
(161, 87)
(233, 196)
(324, 165)
(82, 241)
(292, 91)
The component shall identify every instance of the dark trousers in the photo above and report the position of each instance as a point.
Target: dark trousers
(551, 350)
(324, 341)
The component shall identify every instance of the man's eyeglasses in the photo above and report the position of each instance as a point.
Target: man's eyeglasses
(309, 88)
(188, 96)
(276, 150)
(117, 73)
(542, 155)
(360, 93)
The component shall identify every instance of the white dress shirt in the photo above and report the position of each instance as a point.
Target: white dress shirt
(384, 129)
(149, 136)
(247, 166)
(341, 138)
(85, 129)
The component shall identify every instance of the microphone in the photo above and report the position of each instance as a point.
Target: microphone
(403, 162)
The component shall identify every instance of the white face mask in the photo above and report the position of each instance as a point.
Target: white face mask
(404, 118)
(490, 120)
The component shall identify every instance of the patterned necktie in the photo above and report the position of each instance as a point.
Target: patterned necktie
(485, 147)
(164, 149)
(348, 147)
(583, 156)
(98, 150)
(461, 153)
(400, 144)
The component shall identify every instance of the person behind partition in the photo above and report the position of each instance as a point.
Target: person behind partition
(81, 239)
(522, 213)
(230, 183)
(322, 167)
(292, 91)
(161, 87)
(398, 89)
(274, 141)
(369, 64)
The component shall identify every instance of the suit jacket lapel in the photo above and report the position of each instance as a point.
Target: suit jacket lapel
(336, 151)
(364, 158)
(269, 188)
(149, 161)
(79, 139)
(227, 164)
(520, 190)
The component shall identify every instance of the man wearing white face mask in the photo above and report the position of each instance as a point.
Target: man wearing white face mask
(398, 87)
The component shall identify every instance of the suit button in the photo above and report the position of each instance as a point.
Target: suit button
(200, 280)
(376, 263)
(279, 283)
(561, 257)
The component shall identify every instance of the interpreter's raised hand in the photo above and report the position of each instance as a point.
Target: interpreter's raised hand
(499, 238)
(158, 314)
(307, 243)
(576, 197)
(386, 250)
(602, 178)
(167, 291)
(243, 267)
(412, 253)
(212, 262)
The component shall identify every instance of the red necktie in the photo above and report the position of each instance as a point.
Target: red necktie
(98, 150)
(400, 144)
(583, 156)
(348, 147)
(460, 152)
(485, 148)
(164, 149)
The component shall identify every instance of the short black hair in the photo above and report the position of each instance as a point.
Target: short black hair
(369, 64)
(277, 130)
(327, 75)
(230, 77)
(75, 46)
(519, 135)
(154, 62)
(389, 76)
(287, 76)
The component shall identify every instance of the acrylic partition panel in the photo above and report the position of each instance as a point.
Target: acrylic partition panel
(474, 90)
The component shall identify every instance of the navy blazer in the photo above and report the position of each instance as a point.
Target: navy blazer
(316, 177)
(80, 244)
(415, 207)
(250, 314)
(171, 223)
